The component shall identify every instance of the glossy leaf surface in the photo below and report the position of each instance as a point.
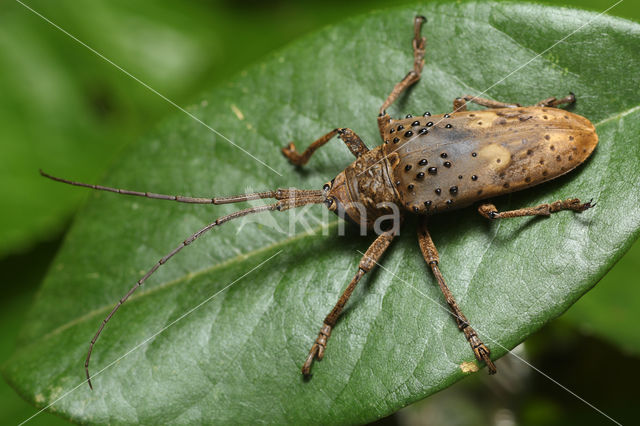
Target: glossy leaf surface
(237, 357)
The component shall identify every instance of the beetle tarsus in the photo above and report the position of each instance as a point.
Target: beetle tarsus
(317, 350)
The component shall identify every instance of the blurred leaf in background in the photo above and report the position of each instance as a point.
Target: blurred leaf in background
(63, 104)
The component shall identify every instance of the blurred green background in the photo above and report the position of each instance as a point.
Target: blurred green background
(63, 106)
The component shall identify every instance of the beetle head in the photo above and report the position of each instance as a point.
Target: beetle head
(338, 199)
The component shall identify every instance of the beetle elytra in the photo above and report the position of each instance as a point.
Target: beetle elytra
(426, 165)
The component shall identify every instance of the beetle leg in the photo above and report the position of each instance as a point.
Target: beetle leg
(490, 212)
(353, 142)
(460, 104)
(553, 102)
(412, 76)
(430, 254)
(368, 261)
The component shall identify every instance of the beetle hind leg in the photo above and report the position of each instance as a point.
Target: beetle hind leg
(553, 102)
(430, 254)
(460, 104)
(491, 212)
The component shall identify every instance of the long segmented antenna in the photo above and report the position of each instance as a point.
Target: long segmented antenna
(287, 199)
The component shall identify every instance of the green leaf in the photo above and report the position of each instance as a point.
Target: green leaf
(237, 357)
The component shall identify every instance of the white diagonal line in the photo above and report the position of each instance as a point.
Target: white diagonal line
(505, 77)
(155, 334)
(445, 308)
(148, 87)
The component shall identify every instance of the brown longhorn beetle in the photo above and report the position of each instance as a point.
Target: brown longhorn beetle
(427, 165)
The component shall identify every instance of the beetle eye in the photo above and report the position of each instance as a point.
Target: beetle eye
(326, 187)
(328, 202)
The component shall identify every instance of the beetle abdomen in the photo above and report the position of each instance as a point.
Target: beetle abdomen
(450, 161)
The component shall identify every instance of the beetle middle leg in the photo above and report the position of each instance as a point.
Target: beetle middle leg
(491, 212)
(368, 261)
(430, 254)
(412, 76)
(353, 142)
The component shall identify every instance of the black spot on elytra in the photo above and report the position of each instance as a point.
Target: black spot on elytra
(438, 191)
(447, 164)
(422, 162)
(408, 134)
(432, 170)
(547, 137)
(415, 123)
(426, 114)
(407, 167)
(474, 177)
(400, 127)
(453, 190)
(423, 131)
(408, 116)
(506, 185)
(396, 140)
(427, 203)
(474, 154)
(410, 187)
(570, 138)
(527, 179)
(443, 155)
(392, 131)
(420, 175)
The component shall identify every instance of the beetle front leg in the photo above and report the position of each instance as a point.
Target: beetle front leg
(368, 261)
(491, 212)
(430, 254)
(460, 104)
(353, 142)
(412, 76)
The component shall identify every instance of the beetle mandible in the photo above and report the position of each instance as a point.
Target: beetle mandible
(426, 165)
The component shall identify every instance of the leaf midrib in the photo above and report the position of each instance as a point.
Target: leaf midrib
(184, 278)
(242, 257)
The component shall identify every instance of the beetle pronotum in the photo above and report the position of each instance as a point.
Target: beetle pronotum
(426, 165)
